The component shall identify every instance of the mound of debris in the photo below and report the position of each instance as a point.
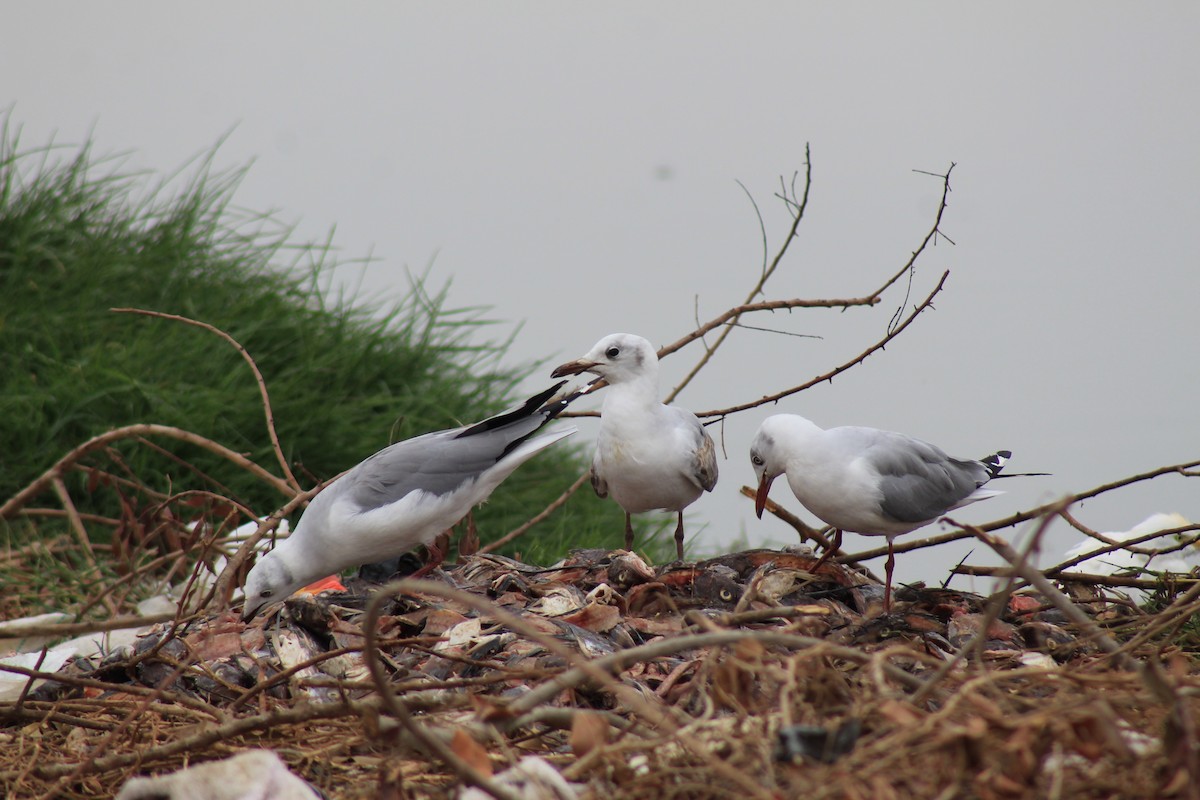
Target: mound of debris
(748, 674)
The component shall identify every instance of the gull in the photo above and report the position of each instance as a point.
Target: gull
(649, 456)
(403, 496)
(865, 480)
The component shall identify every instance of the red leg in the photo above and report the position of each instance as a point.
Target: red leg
(830, 551)
(436, 556)
(679, 537)
(887, 588)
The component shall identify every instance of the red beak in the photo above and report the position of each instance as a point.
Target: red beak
(760, 497)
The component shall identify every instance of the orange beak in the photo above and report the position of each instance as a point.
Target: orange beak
(760, 497)
(572, 368)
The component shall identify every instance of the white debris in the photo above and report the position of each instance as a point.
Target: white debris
(532, 778)
(253, 775)
(13, 683)
(22, 642)
(1180, 562)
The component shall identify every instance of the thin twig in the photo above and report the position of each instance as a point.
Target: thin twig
(1090, 579)
(14, 503)
(85, 542)
(540, 516)
(806, 531)
(262, 384)
(831, 374)
(996, 604)
(797, 215)
(1053, 595)
(932, 235)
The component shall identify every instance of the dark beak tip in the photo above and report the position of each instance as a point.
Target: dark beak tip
(760, 497)
(570, 368)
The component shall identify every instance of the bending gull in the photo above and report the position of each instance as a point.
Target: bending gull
(403, 496)
(649, 456)
(866, 480)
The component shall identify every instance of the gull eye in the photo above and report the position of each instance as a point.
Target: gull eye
(756, 460)
(612, 352)
(265, 593)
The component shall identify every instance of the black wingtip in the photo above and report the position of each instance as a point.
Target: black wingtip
(995, 462)
(530, 407)
(558, 406)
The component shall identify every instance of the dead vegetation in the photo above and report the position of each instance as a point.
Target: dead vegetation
(746, 675)
(742, 675)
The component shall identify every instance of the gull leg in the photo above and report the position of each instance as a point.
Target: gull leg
(437, 551)
(628, 532)
(887, 587)
(679, 537)
(834, 546)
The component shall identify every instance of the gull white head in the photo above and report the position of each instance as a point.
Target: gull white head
(618, 358)
(271, 580)
(769, 455)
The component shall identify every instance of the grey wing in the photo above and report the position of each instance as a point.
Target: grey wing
(703, 451)
(438, 462)
(918, 481)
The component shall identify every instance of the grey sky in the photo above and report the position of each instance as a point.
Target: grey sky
(577, 171)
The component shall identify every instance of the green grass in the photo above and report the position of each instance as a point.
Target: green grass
(78, 237)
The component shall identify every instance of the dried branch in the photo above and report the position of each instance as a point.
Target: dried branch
(262, 384)
(81, 535)
(1090, 579)
(729, 318)
(18, 500)
(1129, 545)
(555, 504)
(209, 735)
(831, 374)
(778, 511)
(797, 207)
(995, 607)
(1052, 594)
(931, 236)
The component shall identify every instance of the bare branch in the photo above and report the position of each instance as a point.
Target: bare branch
(1051, 592)
(262, 384)
(18, 500)
(541, 515)
(797, 209)
(934, 232)
(829, 376)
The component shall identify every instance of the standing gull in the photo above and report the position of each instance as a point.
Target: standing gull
(403, 496)
(866, 480)
(649, 456)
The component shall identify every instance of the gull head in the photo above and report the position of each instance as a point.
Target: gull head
(618, 358)
(767, 460)
(270, 581)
